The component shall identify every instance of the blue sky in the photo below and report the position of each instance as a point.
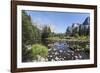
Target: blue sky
(59, 20)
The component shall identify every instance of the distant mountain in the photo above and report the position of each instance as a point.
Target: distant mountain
(81, 29)
(87, 21)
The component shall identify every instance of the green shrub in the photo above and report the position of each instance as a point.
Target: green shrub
(39, 49)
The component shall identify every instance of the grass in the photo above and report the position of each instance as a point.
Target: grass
(67, 38)
(39, 49)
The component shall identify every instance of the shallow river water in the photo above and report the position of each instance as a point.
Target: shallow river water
(59, 51)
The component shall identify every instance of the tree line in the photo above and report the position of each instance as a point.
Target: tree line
(32, 35)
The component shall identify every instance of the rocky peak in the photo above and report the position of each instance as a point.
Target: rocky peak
(87, 21)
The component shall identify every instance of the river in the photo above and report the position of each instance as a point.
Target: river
(59, 51)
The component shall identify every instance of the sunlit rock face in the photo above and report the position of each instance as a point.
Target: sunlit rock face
(75, 25)
(74, 28)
